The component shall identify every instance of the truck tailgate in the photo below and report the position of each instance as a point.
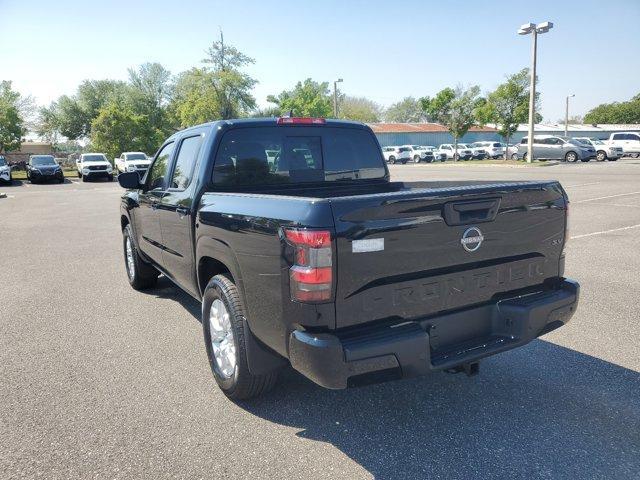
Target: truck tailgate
(401, 255)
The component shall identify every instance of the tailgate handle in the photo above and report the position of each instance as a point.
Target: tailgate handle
(461, 213)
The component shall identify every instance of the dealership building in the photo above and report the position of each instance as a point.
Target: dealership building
(436, 134)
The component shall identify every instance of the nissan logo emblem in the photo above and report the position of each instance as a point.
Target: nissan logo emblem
(472, 239)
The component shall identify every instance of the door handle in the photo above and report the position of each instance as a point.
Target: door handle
(182, 211)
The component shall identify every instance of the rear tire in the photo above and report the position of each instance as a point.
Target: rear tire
(392, 160)
(79, 175)
(601, 155)
(571, 157)
(236, 382)
(514, 156)
(141, 275)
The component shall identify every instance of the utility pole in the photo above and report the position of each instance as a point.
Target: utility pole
(335, 97)
(566, 115)
(534, 29)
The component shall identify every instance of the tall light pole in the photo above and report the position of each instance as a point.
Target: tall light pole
(534, 29)
(335, 97)
(566, 115)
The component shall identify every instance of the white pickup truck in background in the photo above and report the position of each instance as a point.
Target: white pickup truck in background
(133, 162)
(629, 141)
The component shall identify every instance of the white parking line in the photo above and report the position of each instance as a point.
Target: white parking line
(581, 185)
(606, 231)
(608, 196)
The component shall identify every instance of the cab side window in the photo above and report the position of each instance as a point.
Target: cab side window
(160, 168)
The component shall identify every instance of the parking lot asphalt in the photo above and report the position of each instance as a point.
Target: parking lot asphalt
(100, 381)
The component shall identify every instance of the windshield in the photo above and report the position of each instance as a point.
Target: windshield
(136, 156)
(296, 155)
(94, 158)
(416, 147)
(43, 160)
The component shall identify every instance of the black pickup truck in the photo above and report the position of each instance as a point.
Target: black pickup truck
(303, 252)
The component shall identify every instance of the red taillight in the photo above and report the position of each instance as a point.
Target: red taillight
(300, 120)
(311, 276)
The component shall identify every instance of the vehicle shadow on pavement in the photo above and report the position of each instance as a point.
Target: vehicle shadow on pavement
(165, 288)
(539, 411)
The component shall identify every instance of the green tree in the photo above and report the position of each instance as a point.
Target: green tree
(360, 109)
(456, 109)
(407, 110)
(306, 99)
(12, 122)
(195, 100)
(149, 93)
(232, 86)
(117, 129)
(616, 112)
(508, 105)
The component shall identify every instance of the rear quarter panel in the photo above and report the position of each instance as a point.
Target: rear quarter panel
(246, 230)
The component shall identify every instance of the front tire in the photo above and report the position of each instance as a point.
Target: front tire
(140, 274)
(416, 159)
(392, 160)
(601, 155)
(222, 323)
(514, 156)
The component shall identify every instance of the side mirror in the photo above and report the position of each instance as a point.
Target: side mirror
(129, 180)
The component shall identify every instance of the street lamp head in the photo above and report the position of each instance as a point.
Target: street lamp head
(544, 27)
(526, 29)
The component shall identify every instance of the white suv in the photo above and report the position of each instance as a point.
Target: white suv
(604, 150)
(417, 152)
(396, 154)
(629, 141)
(494, 149)
(94, 165)
(133, 162)
(449, 150)
(5, 171)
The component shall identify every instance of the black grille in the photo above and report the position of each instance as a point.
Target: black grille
(96, 167)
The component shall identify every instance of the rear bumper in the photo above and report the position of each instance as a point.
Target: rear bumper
(423, 346)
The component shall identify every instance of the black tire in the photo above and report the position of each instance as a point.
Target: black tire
(416, 159)
(601, 155)
(392, 160)
(514, 156)
(404, 162)
(79, 174)
(241, 384)
(571, 157)
(141, 275)
(524, 156)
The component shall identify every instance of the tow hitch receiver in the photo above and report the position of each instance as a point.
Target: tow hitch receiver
(471, 369)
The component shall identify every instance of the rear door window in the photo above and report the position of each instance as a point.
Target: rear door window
(277, 155)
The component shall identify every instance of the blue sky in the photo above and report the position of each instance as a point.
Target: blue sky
(383, 50)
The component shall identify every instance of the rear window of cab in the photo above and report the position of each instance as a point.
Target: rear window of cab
(295, 154)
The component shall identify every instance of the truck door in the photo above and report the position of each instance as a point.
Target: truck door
(175, 211)
(147, 219)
